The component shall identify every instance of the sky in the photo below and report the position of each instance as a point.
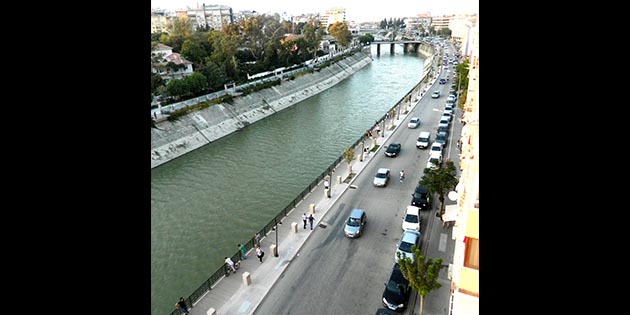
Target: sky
(356, 10)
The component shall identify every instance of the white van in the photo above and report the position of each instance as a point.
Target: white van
(423, 140)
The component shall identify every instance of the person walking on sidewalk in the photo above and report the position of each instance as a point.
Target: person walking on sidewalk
(257, 238)
(304, 218)
(259, 253)
(310, 220)
(182, 305)
(243, 250)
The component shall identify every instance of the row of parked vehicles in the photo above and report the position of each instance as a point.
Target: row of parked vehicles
(397, 289)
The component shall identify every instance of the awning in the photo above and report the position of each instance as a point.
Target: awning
(450, 213)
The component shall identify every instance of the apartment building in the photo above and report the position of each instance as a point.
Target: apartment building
(465, 269)
(333, 16)
(211, 16)
(440, 22)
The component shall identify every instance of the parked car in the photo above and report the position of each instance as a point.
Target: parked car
(381, 178)
(448, 109)
(444, 122)
(421, 198)
(414, 122)
(411, 219)
(407, 239)
(447, 116)
(435, 147)
(355, 223)
(397, 290)
(435, 160)
(442, 138)
(435, 94)
(393, 149)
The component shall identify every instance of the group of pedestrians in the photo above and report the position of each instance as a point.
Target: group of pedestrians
(309, 219)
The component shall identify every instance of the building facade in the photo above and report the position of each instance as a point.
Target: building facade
(465, 269)
(333, 16)
(210, 16)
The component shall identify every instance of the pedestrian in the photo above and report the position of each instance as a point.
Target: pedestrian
(243, 250)
(259, 253)
(155, 115)
(304, 218)
(402, 175)
(257, 238)
(310, 220)
(230, 263)
(326, 184)
(182, 305)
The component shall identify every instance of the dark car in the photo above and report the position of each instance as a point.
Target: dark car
(397, 290)
(442, 81)
(442, 138)
(393, 149)
(420, 198)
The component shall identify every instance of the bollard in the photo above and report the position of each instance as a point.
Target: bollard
(211, 311)
(274, 250)
(311, 207)
(247, 279)
(338, 179)
(327, 193)
(294, 227)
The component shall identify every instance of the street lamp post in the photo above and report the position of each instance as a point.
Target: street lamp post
(276, 229)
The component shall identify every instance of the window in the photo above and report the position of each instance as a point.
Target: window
(471, 259)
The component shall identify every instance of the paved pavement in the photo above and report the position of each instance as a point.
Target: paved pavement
(231, 296)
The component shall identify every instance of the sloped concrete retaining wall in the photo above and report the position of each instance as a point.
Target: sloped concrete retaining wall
(173, 139)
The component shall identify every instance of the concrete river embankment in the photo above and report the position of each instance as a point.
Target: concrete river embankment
(172, 139)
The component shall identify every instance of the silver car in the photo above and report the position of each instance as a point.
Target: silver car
(409, 238)
(381, 178)
(355, 223)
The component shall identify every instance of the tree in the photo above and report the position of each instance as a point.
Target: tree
(341, 33)
(313, 33)
(348, 155)
(440, 180)
(366, 39)
(422, 273)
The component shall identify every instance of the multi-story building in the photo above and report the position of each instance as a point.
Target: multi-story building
(440, 22)
(465, 269)
(420, 21)
(461, 26)
(333, 16)
(160, 21)
(211, 16)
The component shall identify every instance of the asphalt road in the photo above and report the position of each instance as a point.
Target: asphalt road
(337, 275)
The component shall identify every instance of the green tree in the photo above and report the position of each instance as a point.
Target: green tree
(177, 88)
(313, 33)
(422, 273)
(339, 30)
(197, 83)
(366, 39)
(193, 50)
(440, 180)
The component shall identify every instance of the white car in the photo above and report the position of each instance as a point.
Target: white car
(435, 94)
(411, 220)
(447, 116)
(451, 98)
(435, 147)
(414, 122)
(381, 178)
(435, 160)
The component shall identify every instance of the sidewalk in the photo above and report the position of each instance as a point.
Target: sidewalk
(231, 296)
